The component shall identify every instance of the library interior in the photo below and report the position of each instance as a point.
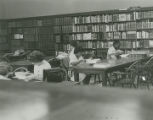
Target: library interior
(76, 59)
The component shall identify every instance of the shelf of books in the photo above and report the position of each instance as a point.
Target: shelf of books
(94, 31)
(32, 34)
(4, 46)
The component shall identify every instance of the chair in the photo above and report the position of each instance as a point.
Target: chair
(21, 69)
(145, 73)
(61, 63)
(128, 77)
(55, 75)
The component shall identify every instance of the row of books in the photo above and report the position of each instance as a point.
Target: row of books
(147, 24)
(102, 53)
(105, 36)
(105, 27)
(32, 45)
(103, 18)
(3, 31)
(88, 44)
(141, 15)
(145, 34)
(66, 47)
(30, 37)
(3, 39)
(45, 30)
(124, 44)
(44, 37)
(4, 46)
(63, 21)
(97, 36)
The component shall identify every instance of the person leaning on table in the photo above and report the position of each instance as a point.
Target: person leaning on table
(37, 58)
(114, 52)
(78, 60)
(73, 45)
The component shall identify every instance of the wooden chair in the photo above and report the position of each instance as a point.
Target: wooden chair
(144, 73)
(128, 77)
(55, 75)
(21, 69)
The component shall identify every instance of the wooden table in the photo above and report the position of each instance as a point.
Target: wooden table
(111, 65)
(43, 101)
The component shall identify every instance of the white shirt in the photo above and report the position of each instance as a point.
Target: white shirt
(39, 69)
(73, 58)
(111, 53)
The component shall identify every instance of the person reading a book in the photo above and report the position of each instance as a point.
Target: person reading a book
(78, 60)
(73, 45)
(37, 58)
(114, 52)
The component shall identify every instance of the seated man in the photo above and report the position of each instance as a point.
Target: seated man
(78, 59)
(37, 58)
(114, 52)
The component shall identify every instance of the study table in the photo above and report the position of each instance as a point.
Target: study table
(44, 101)
(104, 66)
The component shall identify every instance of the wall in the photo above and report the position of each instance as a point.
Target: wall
(29, 8)
(1, 10)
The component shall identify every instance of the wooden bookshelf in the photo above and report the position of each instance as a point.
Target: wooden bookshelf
(4, 46)
(94, 31)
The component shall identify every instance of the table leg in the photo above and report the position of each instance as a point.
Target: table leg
(76, 76)
(104, 78)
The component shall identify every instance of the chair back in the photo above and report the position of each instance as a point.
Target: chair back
(54, 62)
(55, 75)
(21, 69)
(149, 62)
(134, 65)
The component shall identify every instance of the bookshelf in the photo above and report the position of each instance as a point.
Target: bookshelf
(4, 46)
(33, 34)
(94, 31)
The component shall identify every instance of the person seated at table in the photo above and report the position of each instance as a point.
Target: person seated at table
(5, 67)
(73, 45)
(19, 51)
(40, 64)
(114, 52)
(78, 60)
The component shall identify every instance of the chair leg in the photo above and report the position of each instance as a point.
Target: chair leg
(99, 78)
(95, 77)
(134, 85)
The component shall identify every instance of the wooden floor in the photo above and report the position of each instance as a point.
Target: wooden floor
(48, 101)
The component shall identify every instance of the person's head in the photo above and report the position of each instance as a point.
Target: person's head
(36, 56)
(78, 52)
(73, 43)
(116, 44)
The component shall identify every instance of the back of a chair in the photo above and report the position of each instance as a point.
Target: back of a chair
(134, 65)
(21, 69)
(54, 75)
(132, 70)
(65, 63)
(149, 62)
(54, 62)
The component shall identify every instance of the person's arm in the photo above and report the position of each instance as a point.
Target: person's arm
(74, 63)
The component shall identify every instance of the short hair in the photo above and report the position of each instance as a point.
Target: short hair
(74, 43)
(116, 42)
(36, 56)
(77, 50)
